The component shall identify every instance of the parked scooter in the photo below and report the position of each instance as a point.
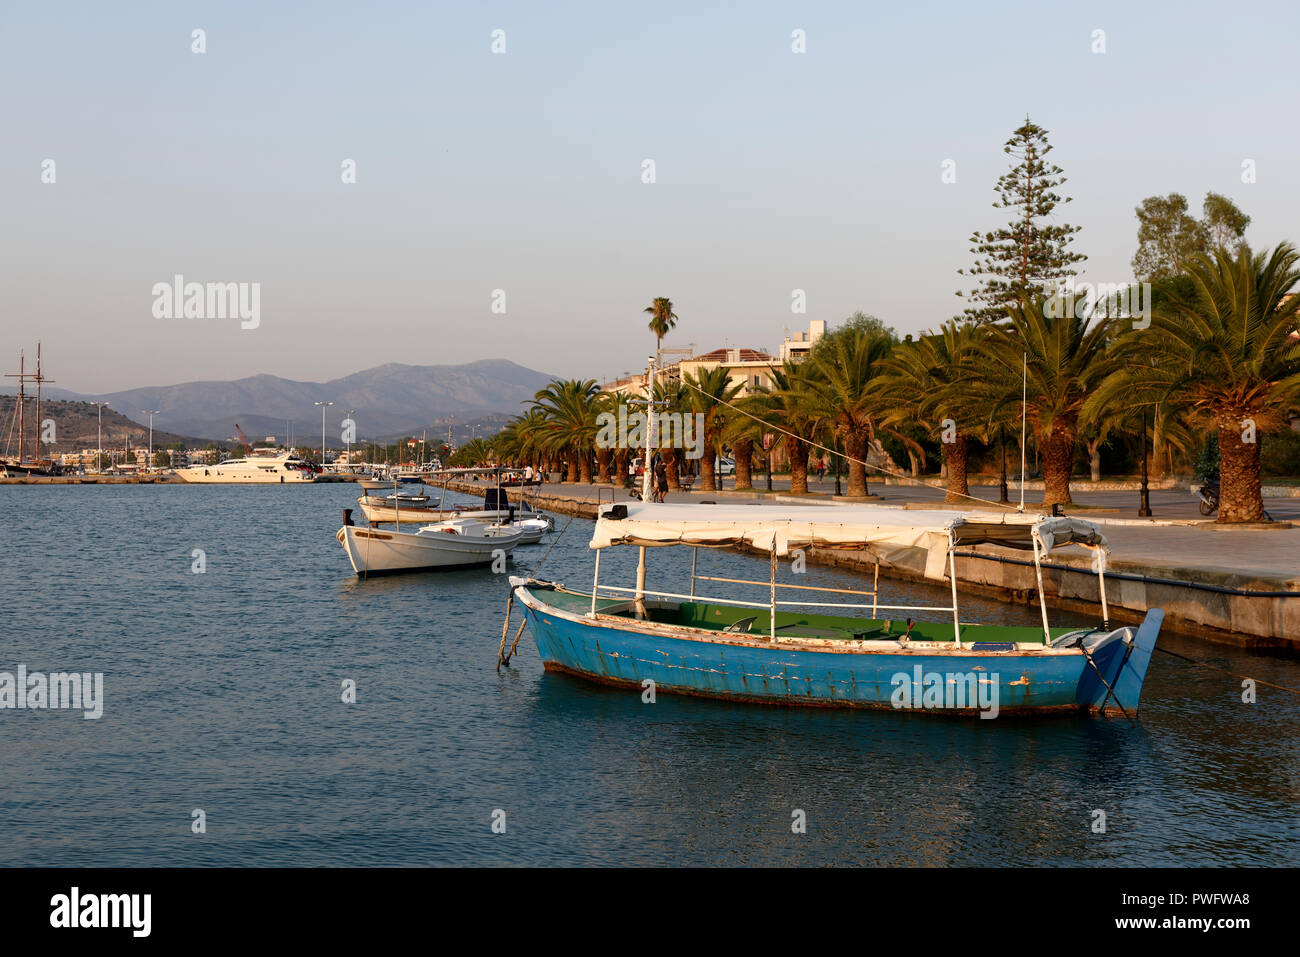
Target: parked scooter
(1209, 496)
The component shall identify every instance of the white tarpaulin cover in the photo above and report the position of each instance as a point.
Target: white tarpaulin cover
(889, 533)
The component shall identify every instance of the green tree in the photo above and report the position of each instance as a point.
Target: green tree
(1063, 358)
(791, 404)
(569, 409)
(662, 321)
(1032, 253)
(922, 384)
(1224, 223)
(843, 367)
(1169, 237)
(709, 394)
(1227, 350)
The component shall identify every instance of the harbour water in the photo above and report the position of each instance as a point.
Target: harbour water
(222, 692)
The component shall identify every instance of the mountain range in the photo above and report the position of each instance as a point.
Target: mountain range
(389, 400)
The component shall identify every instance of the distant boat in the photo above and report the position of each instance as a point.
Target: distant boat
(808, 651)
(454, 543)
(282, 468)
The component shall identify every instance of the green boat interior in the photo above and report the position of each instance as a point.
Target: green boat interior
(795, 624)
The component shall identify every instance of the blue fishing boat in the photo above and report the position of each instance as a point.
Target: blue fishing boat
(857, 653)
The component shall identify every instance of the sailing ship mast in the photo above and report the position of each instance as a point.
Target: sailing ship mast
(23, 377)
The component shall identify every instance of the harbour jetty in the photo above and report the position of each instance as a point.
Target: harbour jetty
(1234, 585)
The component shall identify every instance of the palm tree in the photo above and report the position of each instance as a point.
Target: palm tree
(921, 385)
(842, 368)
(1223, 341)
(570, 408)
(791, 404)
(669, 397)
(742, 433)
(709, 394)
(662, 321)
(1065, 357)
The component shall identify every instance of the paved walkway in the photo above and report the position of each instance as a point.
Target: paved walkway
(1189, 552)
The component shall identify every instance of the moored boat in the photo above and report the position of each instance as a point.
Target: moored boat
(279, 468)
(784, 653)
(453, 543)
(496, 508)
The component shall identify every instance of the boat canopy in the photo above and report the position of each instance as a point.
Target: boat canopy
(892, 534)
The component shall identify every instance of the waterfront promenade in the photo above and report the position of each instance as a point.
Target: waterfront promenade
(1215, 582)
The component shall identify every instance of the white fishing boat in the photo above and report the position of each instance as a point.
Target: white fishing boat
(282, 468)
(453, 543)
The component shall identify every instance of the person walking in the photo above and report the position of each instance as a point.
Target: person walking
(661, 481)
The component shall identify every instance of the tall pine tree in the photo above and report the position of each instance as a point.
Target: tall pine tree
(1030, 253)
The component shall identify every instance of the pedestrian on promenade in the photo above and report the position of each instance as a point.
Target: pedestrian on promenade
(661, 481)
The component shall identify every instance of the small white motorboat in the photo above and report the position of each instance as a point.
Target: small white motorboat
(532, 529)
(453, 543)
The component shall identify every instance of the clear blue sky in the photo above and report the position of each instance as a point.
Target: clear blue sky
(521, 171)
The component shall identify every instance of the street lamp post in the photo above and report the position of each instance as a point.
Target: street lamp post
(1144, 508)
(148, 463)
(1002, 480)
(323, 407)
(348, 432)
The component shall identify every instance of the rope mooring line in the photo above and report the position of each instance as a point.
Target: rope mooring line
(846, 456)
(1258, 681)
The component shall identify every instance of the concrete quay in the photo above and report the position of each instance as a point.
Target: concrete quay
(1218, 583)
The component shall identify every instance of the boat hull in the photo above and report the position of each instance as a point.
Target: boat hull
(374, 551)
(694, 661)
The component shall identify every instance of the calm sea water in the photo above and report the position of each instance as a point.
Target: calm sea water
(222, 692)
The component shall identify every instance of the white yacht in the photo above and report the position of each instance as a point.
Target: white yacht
(279, 468)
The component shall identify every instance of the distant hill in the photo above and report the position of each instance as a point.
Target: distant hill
(76, 427)
(390, 400)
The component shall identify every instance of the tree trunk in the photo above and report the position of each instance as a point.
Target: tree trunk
(1240, 496)
(620, 468)
(1058, 460)
(955, 454)
(603, 457)
(670, 467)
(913, 464)
(855, 450)
(1094, 459)
(743, 451)
(797, 451)
(707, 482)
(584, 467)
(1158, 451)
(573, 468)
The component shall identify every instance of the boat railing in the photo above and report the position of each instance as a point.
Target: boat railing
(874, 606)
